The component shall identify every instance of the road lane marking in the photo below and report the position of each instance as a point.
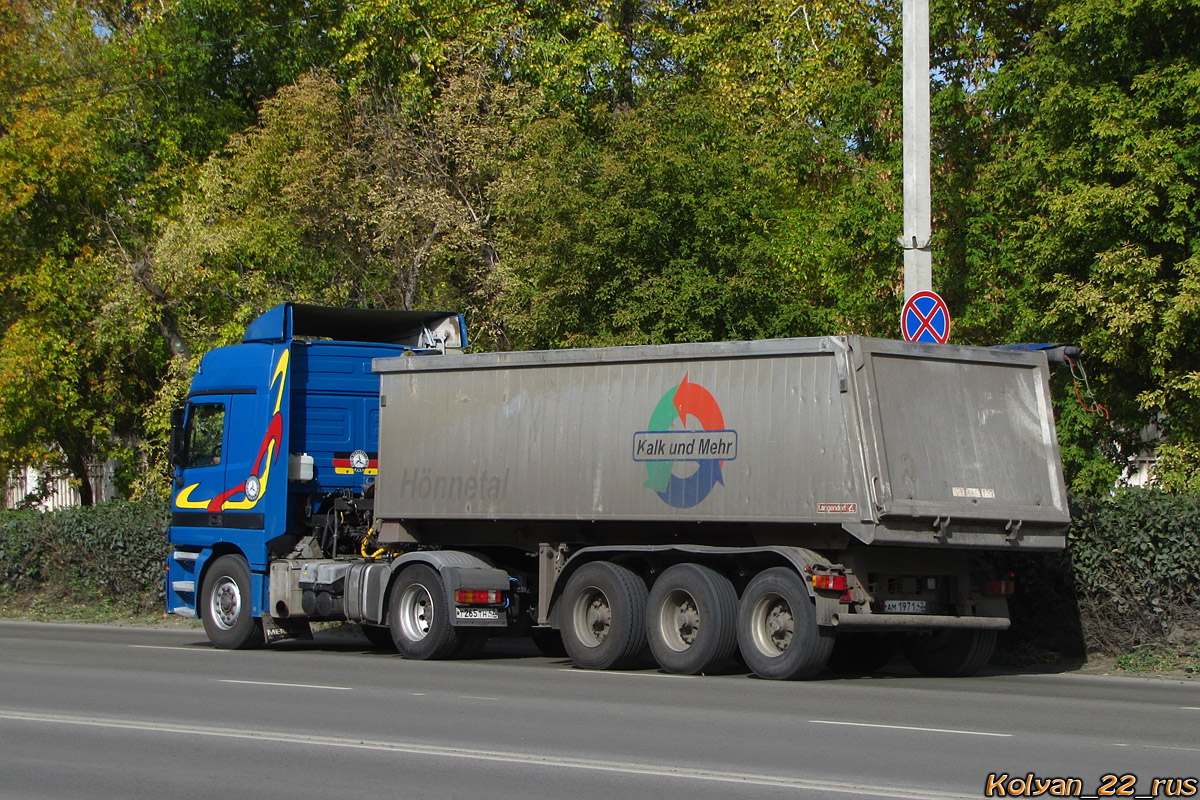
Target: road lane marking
(1169, 747)
(577, 671)
(588, 764)
(909, 728)
(291, 685)
(1190, 708)
(200, 649)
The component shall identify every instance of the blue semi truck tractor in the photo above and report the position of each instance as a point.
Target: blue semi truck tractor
(805, 502)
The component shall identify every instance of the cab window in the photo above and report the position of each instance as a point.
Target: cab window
(205, 433)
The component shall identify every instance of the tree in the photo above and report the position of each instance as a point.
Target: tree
(658, 230)
(1094, 187)
(108, 108)
(64, 403)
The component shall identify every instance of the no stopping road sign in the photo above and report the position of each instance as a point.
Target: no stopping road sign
(925, 318)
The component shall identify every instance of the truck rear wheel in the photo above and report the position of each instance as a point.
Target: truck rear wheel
(418, 616)
(603, 617)
(225, 605)
(691, 619)
(950, 653)
(777, 628)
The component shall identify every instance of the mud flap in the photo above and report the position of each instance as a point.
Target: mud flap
(277, 630)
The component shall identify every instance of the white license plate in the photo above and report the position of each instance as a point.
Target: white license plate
(904, 606)
(477, 613)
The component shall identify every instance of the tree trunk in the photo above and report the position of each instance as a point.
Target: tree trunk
(165, 319)
(622, 16)
(78, 466)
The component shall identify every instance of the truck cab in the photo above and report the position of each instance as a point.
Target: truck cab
(275, 452)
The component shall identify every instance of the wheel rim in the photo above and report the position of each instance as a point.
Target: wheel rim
(226, 603)
(592, 617)
(772, 625)
(416, 612)
(679, 621)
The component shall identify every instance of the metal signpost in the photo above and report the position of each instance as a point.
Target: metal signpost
(918, 276)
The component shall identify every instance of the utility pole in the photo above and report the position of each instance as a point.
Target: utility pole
(918, 273)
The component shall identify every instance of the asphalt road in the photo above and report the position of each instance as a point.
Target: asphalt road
(109, 712)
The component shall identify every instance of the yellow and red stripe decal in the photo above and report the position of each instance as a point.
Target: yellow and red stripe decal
(341, 466)
(268, 454)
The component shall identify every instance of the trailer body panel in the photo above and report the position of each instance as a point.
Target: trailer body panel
(814, 431)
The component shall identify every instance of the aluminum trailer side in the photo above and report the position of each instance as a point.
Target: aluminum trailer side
(693, 498)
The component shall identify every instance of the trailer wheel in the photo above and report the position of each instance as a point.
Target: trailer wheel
(418, 616)
(950, 653)
(691, 619)
(603, 617)
(226, 608)
(777, 628)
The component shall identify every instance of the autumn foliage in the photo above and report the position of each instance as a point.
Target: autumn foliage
(590, 172)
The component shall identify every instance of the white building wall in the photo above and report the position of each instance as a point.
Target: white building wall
(62, 493)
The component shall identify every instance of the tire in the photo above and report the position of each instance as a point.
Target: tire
(602, 617)
(950, 653)
(861, 653)
(691, 620)
(549, 642)
(380, 637)
(225, 605)
(418, 616)
(777, 628)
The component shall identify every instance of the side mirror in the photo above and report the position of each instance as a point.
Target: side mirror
(178, 417)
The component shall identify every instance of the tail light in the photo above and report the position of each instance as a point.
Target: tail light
(1000, 588)
(479, 597)
(835, 583)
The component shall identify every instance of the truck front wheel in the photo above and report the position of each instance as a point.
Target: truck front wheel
(777, 628)
(418, 616)
(691, 619)
(603, 617)
(225, 605)
(950, 653)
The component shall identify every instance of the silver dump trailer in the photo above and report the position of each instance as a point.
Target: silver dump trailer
(799, 499)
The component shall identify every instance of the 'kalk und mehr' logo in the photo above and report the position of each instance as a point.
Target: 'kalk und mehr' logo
(670, 442)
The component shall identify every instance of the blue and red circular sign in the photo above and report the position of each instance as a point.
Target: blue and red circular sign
(925, 318)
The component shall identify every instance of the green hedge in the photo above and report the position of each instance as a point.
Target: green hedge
(1130, 577)
(113, 552)
(1136, 561)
